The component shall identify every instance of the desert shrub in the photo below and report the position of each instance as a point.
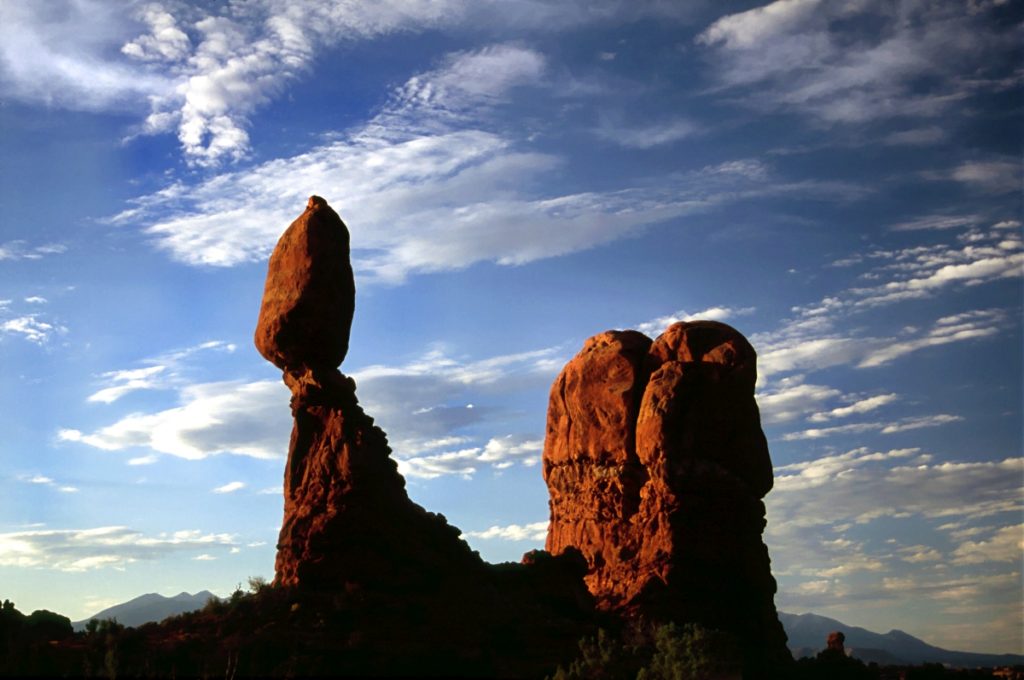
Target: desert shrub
(215, 606)
(691, 652)
(666, 652)
(258, 585)
(603, 657)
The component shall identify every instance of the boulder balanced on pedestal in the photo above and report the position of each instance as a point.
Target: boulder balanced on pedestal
(347, 517)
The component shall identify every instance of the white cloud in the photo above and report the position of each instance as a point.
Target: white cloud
(815, 337)
(917, 554)
(749, 28)
(428, 185)
(431, 466)
(860, 486)
(499, 452)
(920, 422)
(655, 327)
(648, 136)
(54, 53)
(250, 419)
(1005, 545)
(466, 81)
(126, 382)
(428, 405)
(823, 432)
(76, 550)
(31, 328)
(792, 398)
(922, 136)
(230, 487)
(821, 510)
(956, 328)
(422, 405)
(43, 480)
(938, 222)
(36, 300)
(427, 204)
(202, 71)
(162, 372)
(990, 176)
(787, 351)
(856, 408)
(165, 41)
(902, 425)
(856, 62)
(535, 531)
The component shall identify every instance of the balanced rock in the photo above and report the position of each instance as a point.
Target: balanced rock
(351, 534)
(656, 465)
(310, 293)
(347, 517)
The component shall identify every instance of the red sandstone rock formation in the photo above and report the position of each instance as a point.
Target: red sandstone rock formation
(656, 465)
(836, 642)
(310, 294)
(347, 517)
(350, 528)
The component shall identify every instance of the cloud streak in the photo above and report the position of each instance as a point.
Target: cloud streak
(535, 531)
(78, 550)
(249, 419)
(808, 56)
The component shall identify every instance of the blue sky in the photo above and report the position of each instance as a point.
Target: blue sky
(839, 181)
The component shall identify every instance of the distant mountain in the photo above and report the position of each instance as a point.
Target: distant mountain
(149, 607)
(808, 632)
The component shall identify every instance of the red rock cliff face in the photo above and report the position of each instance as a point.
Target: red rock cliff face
(656, 465)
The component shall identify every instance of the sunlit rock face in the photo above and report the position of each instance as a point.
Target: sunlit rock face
(310, 294)
(656, 465)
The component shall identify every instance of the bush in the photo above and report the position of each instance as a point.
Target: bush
(258, 584)
(667, 652)
(691, 652)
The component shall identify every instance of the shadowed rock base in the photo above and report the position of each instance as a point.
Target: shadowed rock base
(656, 465)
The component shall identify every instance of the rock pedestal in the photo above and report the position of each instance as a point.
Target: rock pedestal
(656, 465)
(347, 517)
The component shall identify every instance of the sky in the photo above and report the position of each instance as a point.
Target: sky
(840, 181)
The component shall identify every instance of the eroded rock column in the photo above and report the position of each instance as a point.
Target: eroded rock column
(656, 465)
